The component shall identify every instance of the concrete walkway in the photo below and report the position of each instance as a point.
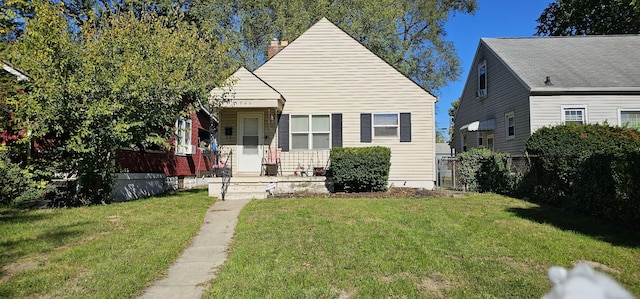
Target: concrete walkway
(189, 275)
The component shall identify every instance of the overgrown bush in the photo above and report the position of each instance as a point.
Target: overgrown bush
(482, 170)
(18, 184)
(589, 168)
(362, 169)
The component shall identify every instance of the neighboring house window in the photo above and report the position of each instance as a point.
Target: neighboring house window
(630, 119)
(183, 137)
(480, 137)
(385, 125)
(510, 125)
(482, 79)
(574, 115)
(310, 131)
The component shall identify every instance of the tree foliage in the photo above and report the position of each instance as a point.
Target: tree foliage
(409, 35)
(592, 17)
(452, 115)
(118, 81)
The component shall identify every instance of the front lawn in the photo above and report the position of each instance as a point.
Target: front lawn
(481, 246)
(111, 251)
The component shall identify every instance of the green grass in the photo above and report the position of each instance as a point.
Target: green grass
(481, 246)
(111, 251)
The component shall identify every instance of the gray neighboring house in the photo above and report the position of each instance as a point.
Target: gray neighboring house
(517, 85)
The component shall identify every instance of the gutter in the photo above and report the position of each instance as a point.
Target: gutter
(550, 91)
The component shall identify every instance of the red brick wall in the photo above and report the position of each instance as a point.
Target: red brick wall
(168, 162)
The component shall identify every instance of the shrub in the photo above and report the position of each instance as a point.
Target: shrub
(589, 168)
(360, 169)
(482, 170)
(18, 185)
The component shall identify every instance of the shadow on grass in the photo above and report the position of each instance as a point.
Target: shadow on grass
(11, 215)
(616, 235)
(46, 241)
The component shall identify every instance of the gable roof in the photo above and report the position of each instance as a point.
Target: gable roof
(327, 52)
(244, 85)
(586, 63)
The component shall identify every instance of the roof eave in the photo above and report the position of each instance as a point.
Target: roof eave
(549, 91)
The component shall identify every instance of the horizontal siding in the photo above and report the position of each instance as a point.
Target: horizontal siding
(505, 93)
(229, 118)
(243, 85)
(325, 71)
(600, 108)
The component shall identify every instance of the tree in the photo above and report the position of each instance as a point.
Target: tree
(579, 17)
(409, 35)
(452, 114)
(439, 137)
(118, 81)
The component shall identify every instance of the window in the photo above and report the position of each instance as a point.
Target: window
(183, 137)
(482, 79)
(630, 119)
(574, 115)
(510, 125)
(385, 125)
(310, 131)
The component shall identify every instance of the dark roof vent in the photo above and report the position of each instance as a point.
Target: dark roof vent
(547, 82)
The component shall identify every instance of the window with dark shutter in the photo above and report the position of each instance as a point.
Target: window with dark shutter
(405, 127)
(336, 130)
(283, 132)
(365, 127)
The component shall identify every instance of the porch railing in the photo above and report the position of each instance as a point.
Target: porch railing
(307, 161)
(226, 172)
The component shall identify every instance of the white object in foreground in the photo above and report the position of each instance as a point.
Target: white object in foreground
(584, 282)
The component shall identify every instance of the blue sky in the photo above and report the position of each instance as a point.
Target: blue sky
(494, 18)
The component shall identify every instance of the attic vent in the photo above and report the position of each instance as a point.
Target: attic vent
(547, 82)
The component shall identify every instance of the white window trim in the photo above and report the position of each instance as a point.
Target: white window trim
(309, 133)
(373, 126)
(625, 110)
(506, 125)
(585, 117)
(482, 93)
(183, 141)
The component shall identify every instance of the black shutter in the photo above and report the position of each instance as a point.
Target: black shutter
(283, 132)
(336, 130)
(405, 127)
(365, 127)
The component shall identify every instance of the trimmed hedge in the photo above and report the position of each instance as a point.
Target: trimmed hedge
(361, 169)
(589, 168)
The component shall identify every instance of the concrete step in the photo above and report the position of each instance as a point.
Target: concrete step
(255, 187)
(244, 195)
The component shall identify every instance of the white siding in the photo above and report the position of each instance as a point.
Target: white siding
(547, 110)
(229, 118)
(326, 71)
(246, 86)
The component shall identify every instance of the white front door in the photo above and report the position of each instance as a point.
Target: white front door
(250, 132)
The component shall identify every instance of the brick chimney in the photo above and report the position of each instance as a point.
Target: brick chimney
(275, 47)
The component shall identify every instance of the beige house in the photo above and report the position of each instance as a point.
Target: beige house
(326, 90)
